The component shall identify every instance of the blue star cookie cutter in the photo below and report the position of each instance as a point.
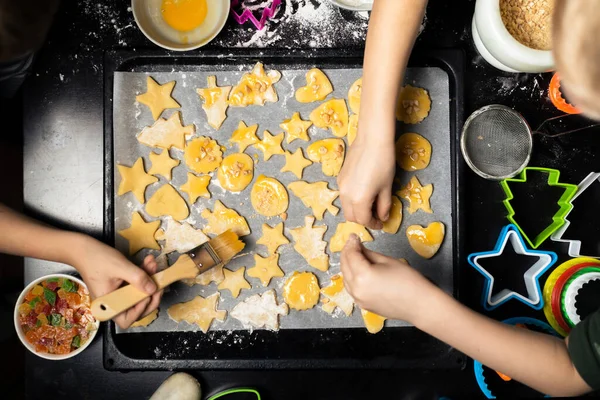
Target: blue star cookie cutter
(533, 298)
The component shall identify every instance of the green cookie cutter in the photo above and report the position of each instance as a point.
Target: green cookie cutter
(564, 202)
(234, 391)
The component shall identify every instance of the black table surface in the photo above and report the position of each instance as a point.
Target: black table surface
(68, 79)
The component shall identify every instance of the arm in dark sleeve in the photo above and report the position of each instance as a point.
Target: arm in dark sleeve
(584, 349)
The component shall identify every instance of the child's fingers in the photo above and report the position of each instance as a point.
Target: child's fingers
(384, 204)
(125, 319)
(154, 303)
(363, 214)
(136, 276)
(347, 208)
(352, 258)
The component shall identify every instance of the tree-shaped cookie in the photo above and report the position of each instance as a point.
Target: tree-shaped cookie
(317, 87)
(244, 136)
(270, 145)
(157, 97)
(417, 195)
(214, 274)
(272, 237)
(260, 311)
(166, 133)
(162, 164)
(179, 237)
(265, 268)
(196, 186)
(295, 163)
(200, 311)
(316, 196)
(222, 219)
(140, 234)
(255, 88)
(343, 232)
(135, 179)
(234, 281)
(309, 243)
(296, 128)
(336, 295)
(332, 114)
(330, 153)
(203, 155)
(301, 291)
(214, 102)
(166, 201)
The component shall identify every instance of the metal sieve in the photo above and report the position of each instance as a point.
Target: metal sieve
(496, 142)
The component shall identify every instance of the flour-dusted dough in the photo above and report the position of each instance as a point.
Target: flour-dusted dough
(309, 243)
(272, 237)
(260, 311)
(234, 281)
(214, 102)
(255, 88)
(157, 97)
(266, 268)
(200, 311)
(296, 128)
(343, 232)
(140, 234)
(222, 219)
(166, 133)
(295, 163)
(316, 196)
(336, 295)
(162, 164)
(166, 201)
(214, 274)
(179, 237)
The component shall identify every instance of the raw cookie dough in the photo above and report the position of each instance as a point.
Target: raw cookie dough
(395, 219)
(270, 145)
(203, 155)
(417, 196)
(166, 201)
(255, 88)
(336, 295)
(236, 172)
(296, 128)
(373, 322)
(413, 152)
(157, 97)
(301, 291)
(200, 311)
(309, 243)
(140, 234)
(244, 136)
(260, 311)
(147, 320)
(272, 237)
(343, 232)
(166, 133)
(162, 164)
(317, 87)
(215, 274)
(332, 114)
(426, 241)
(214, 102)
(234, 281)
(222, 219)
(330, 153)
(295, 163)
(354, 94)
(316, 196)
(269, 197)
(352, 128)
(179, 237)
(196, 186)
(134, 179)
(266, 268)
(413, 105)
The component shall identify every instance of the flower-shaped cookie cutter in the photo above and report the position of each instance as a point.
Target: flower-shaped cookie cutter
(575, 245)
(570, 291)
(241, 18)
(533, 298)
(558, 219)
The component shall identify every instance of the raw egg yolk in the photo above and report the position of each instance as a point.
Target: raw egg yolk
(184, 15)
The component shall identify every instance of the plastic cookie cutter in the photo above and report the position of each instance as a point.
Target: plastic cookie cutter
(575, 245)
(557, 98)
(241, 18)
(248, 391)
(478, 367)
(571, 290)
(564, 203)
(533, 298)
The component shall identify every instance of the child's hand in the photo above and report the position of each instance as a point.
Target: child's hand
(383, 285)
(104, 270)
(366, 178)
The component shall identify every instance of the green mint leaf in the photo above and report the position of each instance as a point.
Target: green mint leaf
(50, 296)
(68, 326)
(55, 319)
(76, 341)
(33, 302)
(69, 286)
(38, 323)
(52, 280)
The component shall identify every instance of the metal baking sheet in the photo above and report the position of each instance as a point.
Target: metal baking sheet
(130, 118)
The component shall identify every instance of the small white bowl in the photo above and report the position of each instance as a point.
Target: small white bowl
(21, 335)
(148, 18)
(364, 5)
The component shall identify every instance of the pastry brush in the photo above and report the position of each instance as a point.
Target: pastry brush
(217, 251)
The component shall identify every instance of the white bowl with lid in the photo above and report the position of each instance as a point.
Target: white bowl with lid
(354, 5)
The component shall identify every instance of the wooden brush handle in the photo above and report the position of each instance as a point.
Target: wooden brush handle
(112, 304)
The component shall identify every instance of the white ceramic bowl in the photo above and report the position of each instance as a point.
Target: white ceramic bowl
(498, 47)
(22, 335)
(364, 5)
(148, 17)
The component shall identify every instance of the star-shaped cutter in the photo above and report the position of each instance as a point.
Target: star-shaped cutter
(241, 18)
(558, 219)
(510, 234)
(575, 245)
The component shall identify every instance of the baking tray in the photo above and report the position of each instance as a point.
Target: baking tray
(288, 348)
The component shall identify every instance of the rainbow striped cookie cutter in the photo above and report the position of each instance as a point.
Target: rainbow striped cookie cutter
(248, 15)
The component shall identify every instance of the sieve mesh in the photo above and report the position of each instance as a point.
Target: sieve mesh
(496, 142)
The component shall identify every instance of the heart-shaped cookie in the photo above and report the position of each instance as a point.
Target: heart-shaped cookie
(317, 87)
(426, 241)
(166, 201)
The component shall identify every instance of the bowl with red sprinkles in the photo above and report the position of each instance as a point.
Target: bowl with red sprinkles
(53, 317)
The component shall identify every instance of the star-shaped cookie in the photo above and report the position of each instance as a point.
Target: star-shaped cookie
(196, 186)
(179, 237)
(309, 243)
(162, 164)
(140, 234)
(316, 196)
(135, 179)
(266, 268)
(260, 311)
(200, 311)
(295, 163)
(417, 196)
(272, 237)
(244, 136)
(158, 97)
(234, 281)
(222, 219)
(215, 102)
(166, 133)
(296, 128)
(270, 145)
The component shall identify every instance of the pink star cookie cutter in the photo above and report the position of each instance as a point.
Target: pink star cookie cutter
(267, 12)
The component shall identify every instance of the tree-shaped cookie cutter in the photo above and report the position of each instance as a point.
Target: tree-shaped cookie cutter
(267, 12)
(564, 203)
(575, 245)
(534, 299)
